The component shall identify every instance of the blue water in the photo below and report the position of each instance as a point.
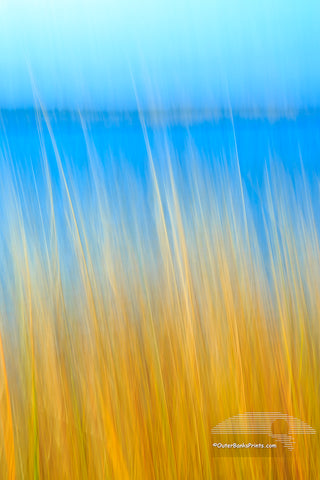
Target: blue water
(287, 140)
(122, 142)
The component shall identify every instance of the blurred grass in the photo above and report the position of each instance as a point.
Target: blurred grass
(135, 317)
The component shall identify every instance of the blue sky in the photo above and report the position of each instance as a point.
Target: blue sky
(252, 54)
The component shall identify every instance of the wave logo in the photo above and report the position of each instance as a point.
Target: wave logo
(278, 426)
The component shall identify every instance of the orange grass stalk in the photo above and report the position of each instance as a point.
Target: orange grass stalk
(6, 419)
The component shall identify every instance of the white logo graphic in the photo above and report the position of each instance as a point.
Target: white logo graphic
(279, 426)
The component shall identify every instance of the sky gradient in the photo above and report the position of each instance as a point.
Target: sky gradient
(251, 55)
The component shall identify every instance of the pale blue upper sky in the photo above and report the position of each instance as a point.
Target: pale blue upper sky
(253, 54)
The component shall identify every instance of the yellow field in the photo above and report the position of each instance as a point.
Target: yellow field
(133, 323)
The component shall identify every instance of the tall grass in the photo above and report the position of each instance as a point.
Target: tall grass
(137, 314)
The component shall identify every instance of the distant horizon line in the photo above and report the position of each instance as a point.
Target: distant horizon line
(171, 114)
